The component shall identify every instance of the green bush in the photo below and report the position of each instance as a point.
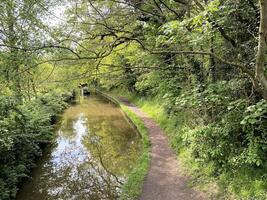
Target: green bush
(23, 128)
(238, 140)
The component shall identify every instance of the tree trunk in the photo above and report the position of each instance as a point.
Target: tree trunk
(262, 48)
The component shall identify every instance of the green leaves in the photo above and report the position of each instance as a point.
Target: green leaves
(255, 113)
(23, 127)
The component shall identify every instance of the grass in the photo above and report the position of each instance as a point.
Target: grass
(133, 187)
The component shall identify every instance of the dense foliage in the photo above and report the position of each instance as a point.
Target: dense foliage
(201, 61)
(24, 129)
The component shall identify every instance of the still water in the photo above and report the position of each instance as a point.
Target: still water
(94, 152)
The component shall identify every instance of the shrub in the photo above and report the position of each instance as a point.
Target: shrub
(23, 127)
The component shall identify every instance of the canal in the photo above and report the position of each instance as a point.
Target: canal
(94, 151)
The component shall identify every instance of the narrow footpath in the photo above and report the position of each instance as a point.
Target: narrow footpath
(163, 182)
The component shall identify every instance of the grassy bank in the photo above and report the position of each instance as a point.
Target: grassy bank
(240, 183)
(133, 187)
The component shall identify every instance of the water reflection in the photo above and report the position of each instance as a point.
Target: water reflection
(95, 150)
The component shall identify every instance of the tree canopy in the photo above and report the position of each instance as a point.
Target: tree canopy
(203, 60)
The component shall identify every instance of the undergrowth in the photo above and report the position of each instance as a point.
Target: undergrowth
(215, 165)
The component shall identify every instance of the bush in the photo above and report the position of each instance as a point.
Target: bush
(23, 128)
(234, 142)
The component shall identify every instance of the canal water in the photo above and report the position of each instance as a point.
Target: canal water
(94, 152)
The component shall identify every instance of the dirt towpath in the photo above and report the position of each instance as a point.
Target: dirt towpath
(163, 182)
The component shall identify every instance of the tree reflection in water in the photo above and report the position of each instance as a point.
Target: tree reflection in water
(95, 151)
